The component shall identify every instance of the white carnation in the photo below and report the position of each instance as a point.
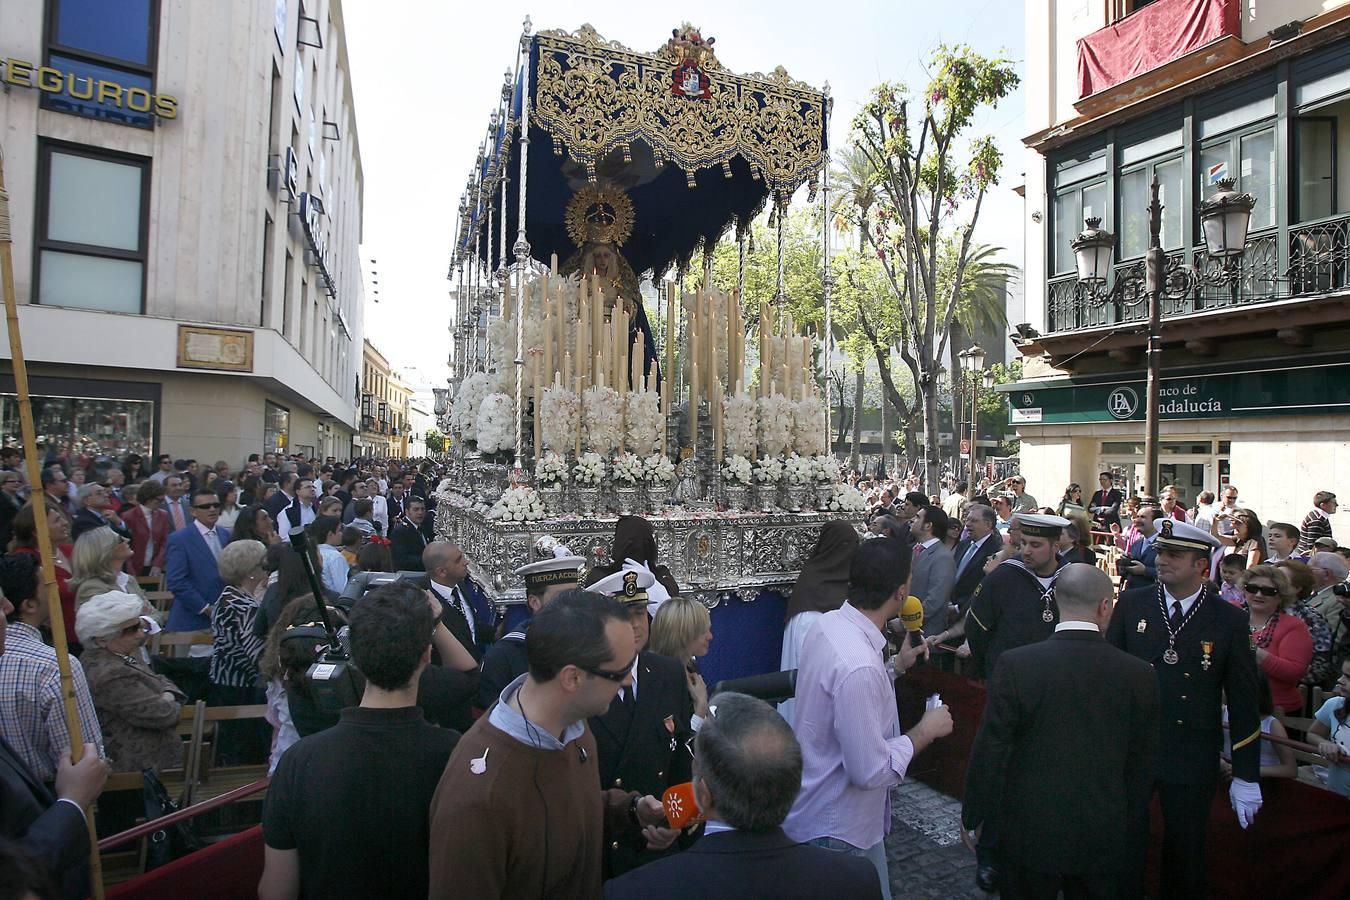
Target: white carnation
(826, 469)
(658, 469)
(552, 469)
(589, 470)
(643, 418)
(470, 397)
(768, 470)
(738, 425)
(847, 499)
(736, 470)
(517, 504)
(602, 419)
(559, 418)
(798, 469)
(496, 424)
(775, 425)
(808, 421)
(627, 468)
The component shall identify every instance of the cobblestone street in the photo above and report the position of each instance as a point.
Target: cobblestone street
(924, 850)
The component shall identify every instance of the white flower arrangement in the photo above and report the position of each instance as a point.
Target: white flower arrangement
(736, 469)
(517, 504)
(552, 469)
(826, 469)
(559, 418)
(738, 425)
(658, 469)
(768, 470)
(846, 499)
(601, 419)
(496, 424)
(627, 468)
(470, 397)
(502, 340)
(643, 418)
(808, 421)
(589, 470)
(799, 469)
(775, 425)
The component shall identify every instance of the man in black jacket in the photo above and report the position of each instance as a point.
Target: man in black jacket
(643, 739)
(1200, 649)
(1105, 503)
(50, 829)
(407, 538)
(748, 772)
(982, 542)
(1063, 761)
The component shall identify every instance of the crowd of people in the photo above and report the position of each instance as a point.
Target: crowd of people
(534, 757)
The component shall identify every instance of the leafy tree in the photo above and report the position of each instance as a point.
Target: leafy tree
(435, 441)
(928, 171)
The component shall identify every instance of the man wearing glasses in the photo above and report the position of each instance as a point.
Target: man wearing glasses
(190, 563)
(517, 813)
(96, 512)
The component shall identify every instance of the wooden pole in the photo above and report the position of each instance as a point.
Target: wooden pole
(37, 498)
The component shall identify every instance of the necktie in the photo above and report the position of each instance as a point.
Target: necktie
(176, 511)
(918, 550)
(1176, 614)
(465, 610)
(213, 544)
(966, 557)
(629, 700)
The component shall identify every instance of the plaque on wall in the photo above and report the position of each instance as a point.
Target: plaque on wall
(215, 348)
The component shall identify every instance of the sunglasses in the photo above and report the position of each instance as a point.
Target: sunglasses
(1265, 590)
(616, 677)
(132, 629)
(206, 506)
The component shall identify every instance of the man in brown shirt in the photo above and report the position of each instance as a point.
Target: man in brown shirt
(518, 812)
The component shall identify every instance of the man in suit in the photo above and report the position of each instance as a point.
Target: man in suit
(50, 829)
(176, 503)
(1063, 761)
(407, 538)
(284, 496)
(1105, 503)
(747, 773)
(396, 500)
(934, 570)
(982, 541)
(642, 740)
(190, 563)
(95, 511)
(466, 611)
(1201, 651)
(1141, 563)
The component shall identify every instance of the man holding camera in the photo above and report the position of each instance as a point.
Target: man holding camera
(346, 815)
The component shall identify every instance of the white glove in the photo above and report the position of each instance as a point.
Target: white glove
(1246, 799)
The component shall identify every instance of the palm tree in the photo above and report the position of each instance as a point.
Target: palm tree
(856, 179)
(981, 308)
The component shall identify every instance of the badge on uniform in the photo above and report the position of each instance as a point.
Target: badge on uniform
(1206, 648)
(670, 729)
(1141, 627)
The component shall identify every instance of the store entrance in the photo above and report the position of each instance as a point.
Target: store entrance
(1191, 473)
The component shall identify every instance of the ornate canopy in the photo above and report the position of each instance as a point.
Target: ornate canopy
(695, 147)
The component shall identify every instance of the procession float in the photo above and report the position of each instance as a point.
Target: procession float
(588, 381)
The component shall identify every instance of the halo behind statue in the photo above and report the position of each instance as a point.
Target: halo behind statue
(599, 214)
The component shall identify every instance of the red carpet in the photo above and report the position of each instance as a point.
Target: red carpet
(226, 870)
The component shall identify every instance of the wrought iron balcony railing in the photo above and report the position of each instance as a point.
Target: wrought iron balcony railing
(1318, 263)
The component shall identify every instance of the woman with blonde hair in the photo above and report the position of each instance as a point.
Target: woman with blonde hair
(682, 629)
(97, 562)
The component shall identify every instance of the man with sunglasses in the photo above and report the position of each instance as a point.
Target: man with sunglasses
(644, 736)
(190, 564)
(1199, 646)
(517, 813)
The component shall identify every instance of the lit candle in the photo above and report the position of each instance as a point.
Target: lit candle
(538, 407)
(567, 367)
(577, 390)
(670, 332)
(635, 362)
(548, 346)
(693, 405)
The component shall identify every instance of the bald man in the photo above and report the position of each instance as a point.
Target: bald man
(466, 611)
(1065, 753)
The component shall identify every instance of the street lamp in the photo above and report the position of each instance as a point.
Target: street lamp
(972, 362)
(1224, 219)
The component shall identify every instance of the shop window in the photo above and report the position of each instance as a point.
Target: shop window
(110, 41)
(91, 229)
(83, 426)
(1249, 159)
(276, 427)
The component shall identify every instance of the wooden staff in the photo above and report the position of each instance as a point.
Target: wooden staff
(58, 623)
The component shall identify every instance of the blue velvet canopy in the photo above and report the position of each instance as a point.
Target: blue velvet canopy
(696, 148)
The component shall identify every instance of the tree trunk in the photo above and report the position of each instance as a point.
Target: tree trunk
(960, 391)
(885, 441)
(932, 463)
(854, 460)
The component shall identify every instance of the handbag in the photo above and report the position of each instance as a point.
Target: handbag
(173, 841)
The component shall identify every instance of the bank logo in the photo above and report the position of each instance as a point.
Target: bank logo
(1122, 403)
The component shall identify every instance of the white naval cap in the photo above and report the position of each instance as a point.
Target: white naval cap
(628, 586)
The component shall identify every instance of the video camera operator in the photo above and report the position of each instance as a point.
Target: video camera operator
(347, 812)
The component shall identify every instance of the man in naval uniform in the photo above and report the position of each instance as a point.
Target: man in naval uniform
(643, 740)
(1013, 606)
(506, 659)
(1015, 603)
(1201, 651)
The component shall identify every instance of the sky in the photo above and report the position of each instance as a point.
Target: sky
(426, 75)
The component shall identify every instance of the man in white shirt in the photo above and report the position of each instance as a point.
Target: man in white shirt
(325, 532)
(302, 511)
(1202, 516)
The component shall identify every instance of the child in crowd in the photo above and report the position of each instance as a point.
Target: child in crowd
(1277, 760)
(1230, 570)
(1330, 732)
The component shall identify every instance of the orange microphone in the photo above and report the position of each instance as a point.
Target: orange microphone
(681, 808)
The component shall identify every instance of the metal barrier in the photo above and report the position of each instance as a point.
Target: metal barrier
(183, 815)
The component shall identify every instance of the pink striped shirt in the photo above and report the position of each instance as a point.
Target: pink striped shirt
(849, 729)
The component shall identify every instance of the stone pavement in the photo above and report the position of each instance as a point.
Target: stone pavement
(924, 852)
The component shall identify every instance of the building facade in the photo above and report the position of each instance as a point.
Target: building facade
(384, 407)
(1255, 379)
(185, 191)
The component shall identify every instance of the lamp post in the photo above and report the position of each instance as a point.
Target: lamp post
(1224, 218)
(972, 363)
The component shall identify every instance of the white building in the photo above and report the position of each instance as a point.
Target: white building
(1255, 380)
(186, 191)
